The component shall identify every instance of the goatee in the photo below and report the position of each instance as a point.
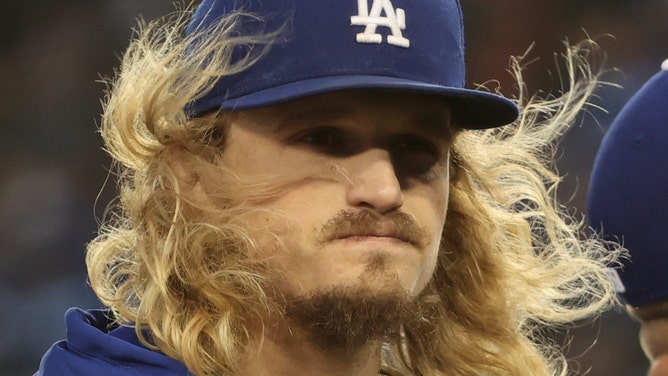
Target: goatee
(346, 318)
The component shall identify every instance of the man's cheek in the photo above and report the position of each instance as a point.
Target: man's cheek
(659, 366)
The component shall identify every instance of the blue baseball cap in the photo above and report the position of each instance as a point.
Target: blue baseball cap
(406, 45)
(628, 192)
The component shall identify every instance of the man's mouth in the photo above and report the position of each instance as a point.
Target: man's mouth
(382, 232)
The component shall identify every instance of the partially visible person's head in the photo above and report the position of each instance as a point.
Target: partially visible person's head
(256, 151)
(653, 318)
(628, 202)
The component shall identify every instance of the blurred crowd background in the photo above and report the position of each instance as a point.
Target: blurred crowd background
(54, 174)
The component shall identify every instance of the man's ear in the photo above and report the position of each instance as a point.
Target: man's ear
(187, 179)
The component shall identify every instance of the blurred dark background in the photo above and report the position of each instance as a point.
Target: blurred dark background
(52, 167)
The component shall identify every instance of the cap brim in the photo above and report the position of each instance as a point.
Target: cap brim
(472, 109)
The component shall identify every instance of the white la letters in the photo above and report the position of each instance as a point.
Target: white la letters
(395, 19)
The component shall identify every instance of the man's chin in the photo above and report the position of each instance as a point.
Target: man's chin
(350, 316)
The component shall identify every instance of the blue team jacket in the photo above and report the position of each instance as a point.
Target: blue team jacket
(92, 348)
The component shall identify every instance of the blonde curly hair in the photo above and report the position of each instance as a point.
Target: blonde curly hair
(512, 261)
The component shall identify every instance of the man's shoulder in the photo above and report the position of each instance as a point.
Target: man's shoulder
(95, 346)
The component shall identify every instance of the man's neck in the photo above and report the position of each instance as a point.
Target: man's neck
(289, 351)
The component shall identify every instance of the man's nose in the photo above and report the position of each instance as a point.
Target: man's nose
(374, 183)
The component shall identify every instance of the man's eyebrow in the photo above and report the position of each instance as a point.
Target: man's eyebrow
(658, 310)
(300, 117)
(439, 125)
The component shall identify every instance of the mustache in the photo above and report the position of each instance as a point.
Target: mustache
(366, 223)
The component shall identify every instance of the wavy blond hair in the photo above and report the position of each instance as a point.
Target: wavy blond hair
(512, 262)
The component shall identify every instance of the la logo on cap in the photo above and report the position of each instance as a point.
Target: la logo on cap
(394, 19)
(616, 280)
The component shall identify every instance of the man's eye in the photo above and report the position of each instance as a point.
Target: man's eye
(414, 154)
(413, 144)
(322, 137)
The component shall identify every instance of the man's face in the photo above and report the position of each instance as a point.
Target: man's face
(654, 334)
(363, 179)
